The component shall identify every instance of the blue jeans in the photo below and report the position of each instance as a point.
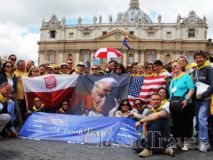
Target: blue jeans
(202, 113)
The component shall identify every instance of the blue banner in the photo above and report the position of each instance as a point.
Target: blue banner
(80, 129)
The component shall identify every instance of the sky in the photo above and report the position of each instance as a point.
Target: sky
(20, 20)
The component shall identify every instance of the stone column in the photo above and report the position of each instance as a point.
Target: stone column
(136, 56)
(125, 57)
(92, 51)
(60, 57)
(142, 60)
(177, 53)
(77, 56)
(47, 55)
(159, 52)
(41, 57)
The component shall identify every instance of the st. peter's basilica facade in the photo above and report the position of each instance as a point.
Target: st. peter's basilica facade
(148, 40)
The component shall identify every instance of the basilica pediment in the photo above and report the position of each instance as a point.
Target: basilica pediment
(116, 35)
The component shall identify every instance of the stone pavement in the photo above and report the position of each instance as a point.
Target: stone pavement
(23, 149)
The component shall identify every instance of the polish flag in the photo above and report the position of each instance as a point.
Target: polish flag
(51, 89)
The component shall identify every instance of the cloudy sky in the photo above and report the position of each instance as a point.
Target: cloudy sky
(20, 20)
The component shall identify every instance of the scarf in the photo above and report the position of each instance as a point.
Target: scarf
(149, 75)
(9, 75)
(37, 110)
(180, 75)
(164, 101)
(206, 63)
(2, 99)
(157, 109)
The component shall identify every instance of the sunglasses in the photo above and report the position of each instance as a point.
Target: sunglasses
(56, 68)
(8, 66)
(80, 65)
(94, 68)
(13, 59)
(138, 104)
(148, 67)
(69, 63)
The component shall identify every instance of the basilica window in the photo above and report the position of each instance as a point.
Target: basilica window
(151, 34)
(104, 33)
(71, 35)
(168, 34)
(52, 34)
(131, 33)
(191, 33)
(86, 34)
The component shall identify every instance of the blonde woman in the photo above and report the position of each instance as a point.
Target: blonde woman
(182, 85)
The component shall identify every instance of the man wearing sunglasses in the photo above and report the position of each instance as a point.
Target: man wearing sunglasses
(70, 66)
(79, 69)
(95, 69)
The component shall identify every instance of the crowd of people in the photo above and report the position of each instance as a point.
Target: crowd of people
(161, 118)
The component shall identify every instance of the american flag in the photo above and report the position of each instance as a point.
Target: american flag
(144, 87)
(134, 88)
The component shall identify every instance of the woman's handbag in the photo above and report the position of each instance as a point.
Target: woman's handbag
(176, 105)
(176, 102)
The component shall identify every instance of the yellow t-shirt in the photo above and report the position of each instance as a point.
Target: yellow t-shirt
(20, 89)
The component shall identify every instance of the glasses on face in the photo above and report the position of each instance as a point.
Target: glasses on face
(56, 68)
(149, 68)
(118, 68)
(8, 66)
(81, 65)
(69, 63)
(94, 68)
(13, 59)
(138, 104)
